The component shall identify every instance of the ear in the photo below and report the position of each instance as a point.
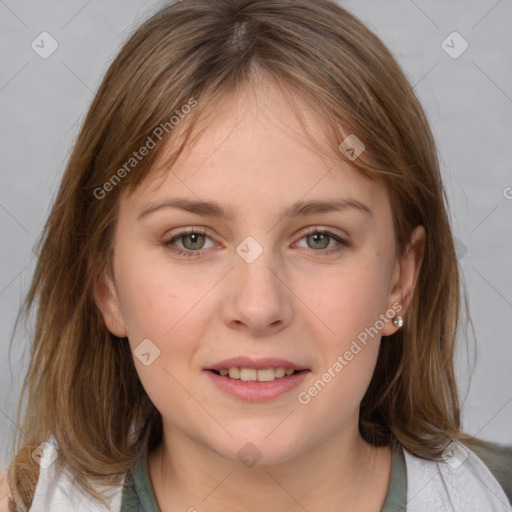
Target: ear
(405, 276)
(107, 300)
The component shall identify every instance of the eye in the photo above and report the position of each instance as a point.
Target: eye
(319, 240)
(192, 242)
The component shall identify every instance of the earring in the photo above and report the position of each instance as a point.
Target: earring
(398, 321)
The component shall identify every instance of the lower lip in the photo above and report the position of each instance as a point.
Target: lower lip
(256, 391)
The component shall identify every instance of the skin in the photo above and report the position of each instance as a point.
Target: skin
(5, 491)
(293, 302)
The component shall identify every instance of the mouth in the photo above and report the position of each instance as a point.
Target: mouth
(256, 380)
(256, 375)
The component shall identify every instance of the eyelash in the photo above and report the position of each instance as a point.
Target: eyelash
(344, 244)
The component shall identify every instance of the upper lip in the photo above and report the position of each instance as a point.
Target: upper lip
(258, 364)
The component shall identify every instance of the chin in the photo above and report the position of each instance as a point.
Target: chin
(261, 448)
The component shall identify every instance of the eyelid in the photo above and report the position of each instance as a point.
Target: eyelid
(311, 230)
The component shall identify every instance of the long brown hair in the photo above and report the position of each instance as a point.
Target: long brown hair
(81, 385)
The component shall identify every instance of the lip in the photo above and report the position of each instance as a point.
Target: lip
(258, 364)
(255, 391)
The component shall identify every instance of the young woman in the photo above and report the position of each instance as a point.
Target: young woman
(247, 291)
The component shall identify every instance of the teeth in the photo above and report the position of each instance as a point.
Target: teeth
(234, 373)
(266, 375)
(248, 374)
(251, 374)
(280, 372)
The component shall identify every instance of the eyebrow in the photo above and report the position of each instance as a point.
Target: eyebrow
(300, 208)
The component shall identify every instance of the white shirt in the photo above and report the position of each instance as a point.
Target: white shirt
(459, 483)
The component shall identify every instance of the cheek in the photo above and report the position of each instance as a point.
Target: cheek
(348, 304)
(162, 305)
(167, 306)
(155, 297)
(348, 363)
(348, 300)
(149, 309)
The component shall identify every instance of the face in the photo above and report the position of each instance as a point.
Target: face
(270, 285)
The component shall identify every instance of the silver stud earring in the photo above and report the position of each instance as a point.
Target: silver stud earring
(398, 321)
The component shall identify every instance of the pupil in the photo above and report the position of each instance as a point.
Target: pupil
(194, 238)
(317, 237)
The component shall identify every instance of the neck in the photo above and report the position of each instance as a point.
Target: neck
(341, 472)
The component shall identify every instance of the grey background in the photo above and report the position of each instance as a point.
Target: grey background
(468, 100)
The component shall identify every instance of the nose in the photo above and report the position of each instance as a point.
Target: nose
(257, 299)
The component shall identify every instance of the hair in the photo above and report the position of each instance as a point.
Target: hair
(81, 385)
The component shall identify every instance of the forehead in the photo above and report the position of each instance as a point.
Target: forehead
(256, 153)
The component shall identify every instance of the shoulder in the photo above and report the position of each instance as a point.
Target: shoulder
(461, 475)
(5, 491)
(57, 491)
(498, 458)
